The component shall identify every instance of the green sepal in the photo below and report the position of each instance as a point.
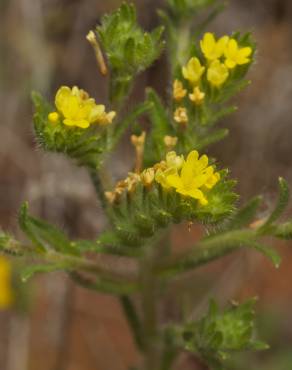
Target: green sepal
(221, 201)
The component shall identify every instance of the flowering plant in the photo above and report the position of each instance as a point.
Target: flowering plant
(170, 182)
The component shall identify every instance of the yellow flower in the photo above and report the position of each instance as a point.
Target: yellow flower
(170, 141)
(217, 73)
(236, 55)
(194, 176)
(171, 166)
(197, 97)
(174, 161)
(181, 115)
(147, 177)
(193, 71)
(6, 293)
(78, 109)
(178, 90)
(211, 48)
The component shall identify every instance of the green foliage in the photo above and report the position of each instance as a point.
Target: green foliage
(187, 8)
(161, 125)
(129, 49)
(43, 235)
(217, 335)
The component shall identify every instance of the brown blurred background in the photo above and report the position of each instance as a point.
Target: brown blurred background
(42, 45)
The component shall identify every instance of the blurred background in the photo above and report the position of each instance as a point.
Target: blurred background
(60, 326)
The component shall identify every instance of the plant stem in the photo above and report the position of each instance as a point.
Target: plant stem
(152, 350)
(98, 185)
(133, 320)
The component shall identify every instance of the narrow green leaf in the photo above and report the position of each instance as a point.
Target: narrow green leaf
(283, 231)
(128, 120)
(212, 138)
(246, 214)
(280, 206)
(28, 272)
(42, 234)
(25, 226)
(158, 115)
(270, 253)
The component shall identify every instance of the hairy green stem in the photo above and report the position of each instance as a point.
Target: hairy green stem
(98, 185)
(104, 286)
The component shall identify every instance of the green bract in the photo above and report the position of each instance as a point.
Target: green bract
(129, 49)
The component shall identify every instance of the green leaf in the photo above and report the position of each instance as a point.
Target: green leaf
(42, 234)
(245, 215)
(160, 127)
(182, 9)
(270, 253)
(130, 118)
(283, 231)
(212, 138)
(280, 206)
(28, 272)
(217, 335)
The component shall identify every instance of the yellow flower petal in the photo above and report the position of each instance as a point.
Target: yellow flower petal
(193, 71)
(178, 90)
(211, 48)
(174, 181)
(53, 117)
(62, 95)
(217, 73)
(6, 291)
(236, 55)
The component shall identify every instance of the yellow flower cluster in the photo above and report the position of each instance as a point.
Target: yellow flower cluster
(6, 292)
(76, 108)
(221, 56)
(191, 177)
